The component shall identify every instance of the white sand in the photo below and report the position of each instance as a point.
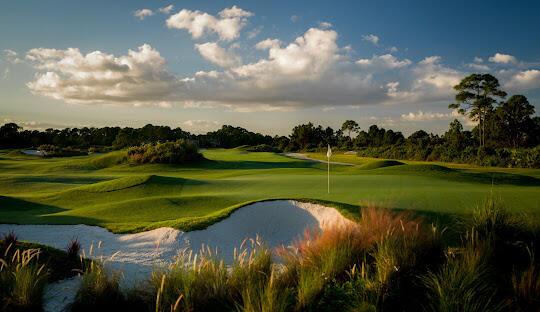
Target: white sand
(135, 255)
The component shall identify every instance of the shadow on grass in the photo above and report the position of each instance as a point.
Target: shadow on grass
(248, 164)
(19, 211)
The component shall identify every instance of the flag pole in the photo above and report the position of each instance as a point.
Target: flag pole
(328, 154)
(328, 175)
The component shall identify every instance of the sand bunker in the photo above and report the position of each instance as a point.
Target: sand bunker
(276, 222)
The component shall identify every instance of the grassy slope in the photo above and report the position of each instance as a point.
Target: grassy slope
(102, 190)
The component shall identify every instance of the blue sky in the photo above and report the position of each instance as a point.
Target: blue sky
(199, 65)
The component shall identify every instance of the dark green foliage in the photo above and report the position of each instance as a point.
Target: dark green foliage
(73, 248)
(99, 291)
(178, 152)
(9, 239)
(55, 151)
(476, 95)
(25, 268)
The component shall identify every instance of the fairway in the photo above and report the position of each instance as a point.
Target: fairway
(104, 190)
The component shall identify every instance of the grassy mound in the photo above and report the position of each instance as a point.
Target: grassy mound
(380, 164)
(116, 184)
(425, 168)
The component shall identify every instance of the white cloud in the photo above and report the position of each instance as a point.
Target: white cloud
(325, 25)
(167, 9)
(524, 80)
(268, 44)
(138, 78)
(393, 49)
(11, 57)
(421, 116)
(478, 67)
(383, 62)
(427, 81)
(218, 55)
(427, 116)
(295, 18)
(310, 71)
(200, 125)
(502, 58)
(478, 59)
(227, 26)
(431, 72)
(371, 38)
(143, 13)
(254, 32)
(306, 58)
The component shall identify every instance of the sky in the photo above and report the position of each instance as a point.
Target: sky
(262, 65)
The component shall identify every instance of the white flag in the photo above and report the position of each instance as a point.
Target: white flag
(329, 153)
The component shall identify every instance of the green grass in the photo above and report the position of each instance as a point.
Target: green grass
(107, 191)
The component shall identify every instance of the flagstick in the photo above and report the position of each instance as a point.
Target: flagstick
(328, 175)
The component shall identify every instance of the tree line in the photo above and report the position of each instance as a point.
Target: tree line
(507, 133)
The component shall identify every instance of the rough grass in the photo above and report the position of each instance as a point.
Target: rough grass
(384, 261)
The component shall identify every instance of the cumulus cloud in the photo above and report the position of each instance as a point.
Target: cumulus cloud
(268, 44)
(325, 25)
(227, 25)
(201, 125)
(310, 71)
(429, 80)
(421, 116)
(427, 116)
(166, 9)
(218, 55)
(524, 80)
(143, 13)
(383, 62)
(503, 59)
(137, 78)
(371, 38)
(478, 67)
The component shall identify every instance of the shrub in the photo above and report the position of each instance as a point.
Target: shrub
(98, 290)
(194, 282)
(73, 248)
(178, 152)
(22, 280)
(9, 239)
(264, 148)
(526, 288)
(464, 283)
(55, 151)
(254, 282)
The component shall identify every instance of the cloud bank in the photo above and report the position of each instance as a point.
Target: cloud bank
(310, 71)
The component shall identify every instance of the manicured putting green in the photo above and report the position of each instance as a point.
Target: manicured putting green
(105, 190)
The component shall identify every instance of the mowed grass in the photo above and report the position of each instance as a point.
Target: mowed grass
(107, 191)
